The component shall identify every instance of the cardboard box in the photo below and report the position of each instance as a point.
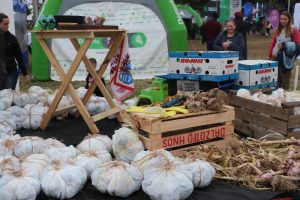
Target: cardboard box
(256, 74)
(206, 66)
(187, 85)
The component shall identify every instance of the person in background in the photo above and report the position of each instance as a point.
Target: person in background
(12, 53)
(89, 79)
(230, 40)
(285, 33)
(242, 27)
(29, 40)
(261, 26)
(210, 31)
(268, 28)
(2, 60)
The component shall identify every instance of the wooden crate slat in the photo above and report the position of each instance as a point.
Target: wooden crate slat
(156, 126)
(291, 104)
(136, 121)
(188, 138)
(193, 122)
(243, 127)
(259, 107)
(262, 120)
(295, 134)
(294, 121)
(252, 130)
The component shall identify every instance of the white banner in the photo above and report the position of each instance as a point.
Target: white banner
(121, 81)
(236, 6)
(147, 39)
(297, 15)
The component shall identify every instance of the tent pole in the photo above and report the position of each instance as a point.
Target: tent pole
(289, 5)
(35, 4)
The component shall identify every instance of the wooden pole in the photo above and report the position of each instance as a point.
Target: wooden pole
(296, 77)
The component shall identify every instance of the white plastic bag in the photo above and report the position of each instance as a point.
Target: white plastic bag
(63, 180)
(7, 145)
(243, 93)
(26, 98)
(169, 181)
(202, 171)
(17, 115)
(29, 145)
(37, 90)
(35, 162)
(92, 160)
(81, 92)
(53, 143)
(96, 105)
(6, 97)
(34, 116)
(9, 164)
(117, 178)
(5, 116)
(63, 154)
(63, 103)
(5, 129)
(94, 143)
(126, 144)
(146, 159)
(5, 103)
(19, 186)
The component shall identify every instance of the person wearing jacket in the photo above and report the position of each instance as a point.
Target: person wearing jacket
(12, 53)
(230, 40)
(2, 61)
(285, 33)
(211, 29)
(242, 27)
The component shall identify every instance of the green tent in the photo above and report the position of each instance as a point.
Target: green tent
(165, 11)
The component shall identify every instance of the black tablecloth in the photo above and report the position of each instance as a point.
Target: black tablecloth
(72, 130)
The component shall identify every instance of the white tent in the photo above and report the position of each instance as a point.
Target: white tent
(7, 8)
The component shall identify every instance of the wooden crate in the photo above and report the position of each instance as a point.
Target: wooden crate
(256, 119)
(182, 130)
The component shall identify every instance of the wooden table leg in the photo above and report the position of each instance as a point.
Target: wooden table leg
(116, 42)
(97, 80)
(66, 84)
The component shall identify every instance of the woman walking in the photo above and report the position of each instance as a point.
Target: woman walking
(284, 48)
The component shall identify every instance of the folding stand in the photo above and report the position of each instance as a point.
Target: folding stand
(88, 35)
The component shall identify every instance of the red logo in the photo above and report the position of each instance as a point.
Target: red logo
(191, 60)
(264, 71)
(229, 66)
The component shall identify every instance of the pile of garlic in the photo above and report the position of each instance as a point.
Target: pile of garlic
(277, 97)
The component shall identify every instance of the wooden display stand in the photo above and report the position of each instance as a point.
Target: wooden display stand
(88, 35)
(184, 129)
(256, 119)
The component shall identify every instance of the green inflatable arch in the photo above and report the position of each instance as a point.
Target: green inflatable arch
(174, 26)
(192, 12)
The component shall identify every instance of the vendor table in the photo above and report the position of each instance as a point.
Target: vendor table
(116, 35)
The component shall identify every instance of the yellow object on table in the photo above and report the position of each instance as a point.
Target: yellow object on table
(158, 112)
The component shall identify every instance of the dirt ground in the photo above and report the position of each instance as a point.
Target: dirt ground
(257, 49)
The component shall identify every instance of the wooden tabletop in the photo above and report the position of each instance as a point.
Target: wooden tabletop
(87, 33)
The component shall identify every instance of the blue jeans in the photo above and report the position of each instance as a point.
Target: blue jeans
(11, 79)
